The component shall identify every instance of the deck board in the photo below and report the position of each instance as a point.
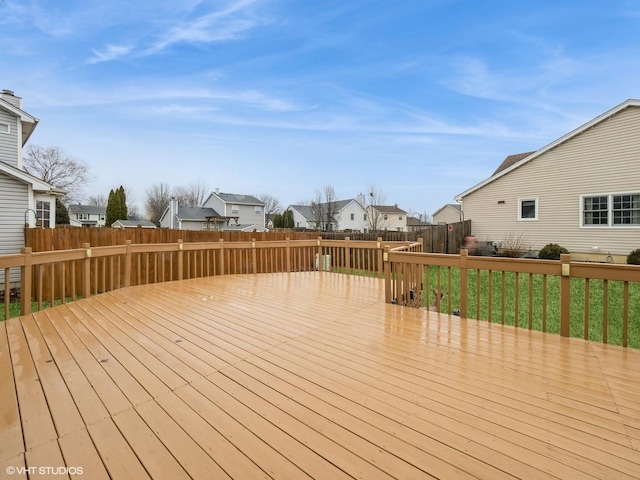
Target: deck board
(307, 375)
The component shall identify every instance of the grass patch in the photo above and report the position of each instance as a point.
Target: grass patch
(14, 307)
(505, 310)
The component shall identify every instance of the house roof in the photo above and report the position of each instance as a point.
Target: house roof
(456, 206)
(388, 208)
(307, 210)
(415, 222)
(237, 199)
(29, 122)
(134, 223)
(511, 160)
(89, 209)
(199, 214)
(38, 185)
(631, 103)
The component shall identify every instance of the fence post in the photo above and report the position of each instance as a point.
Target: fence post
(288, 254)
(127, 264)
(253, 255)
(222, 256)
(86, 271)
(180, 259)
(565, 294)
(380, 255)
(347, 255)
(387, 274)
(25, 281)
(421, 241)
(463, 283)
(319, 254)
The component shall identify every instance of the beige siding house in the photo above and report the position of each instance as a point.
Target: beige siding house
(450, 213)
(581, 191)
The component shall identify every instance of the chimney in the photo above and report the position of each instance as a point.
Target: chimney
(217, 191)
(9, 97)
(361, 200)
(173, 211)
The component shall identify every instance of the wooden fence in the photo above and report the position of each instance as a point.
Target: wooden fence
(436, 238)
(62, 275)
(596, 301)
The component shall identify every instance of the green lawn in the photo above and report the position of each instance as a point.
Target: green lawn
(596, 303)
(14, 308)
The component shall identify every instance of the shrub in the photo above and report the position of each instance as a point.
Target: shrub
(634, 257)
(552, 251)
(514, 246)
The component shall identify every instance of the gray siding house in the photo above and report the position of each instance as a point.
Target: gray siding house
(245, 210)
(24, 199)
(581, 191)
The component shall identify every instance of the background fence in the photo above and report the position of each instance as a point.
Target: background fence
(436, 238)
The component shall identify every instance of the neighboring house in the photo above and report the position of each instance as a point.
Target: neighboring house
(203, 218)
(244, 210)
(581, 191)
(87, 215)
(24, 199)
(133, 224)
(387, 217)
(449, 213)
(415, 225)
(349, 214)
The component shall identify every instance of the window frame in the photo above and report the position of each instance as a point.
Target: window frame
(535, 209)
(610, 211)
(41, 220)
(8, 131)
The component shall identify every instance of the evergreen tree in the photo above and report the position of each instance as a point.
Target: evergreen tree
(111, 209)
(116, 206)
(287, 219)
(277, 221)
(62, 214)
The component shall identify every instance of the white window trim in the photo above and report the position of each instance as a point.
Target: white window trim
(610, 210)
(8, 128)
(525, 199)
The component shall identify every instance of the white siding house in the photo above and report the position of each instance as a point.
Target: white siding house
(581, 191)
(350, 215)
(87, 215)
(24, 199)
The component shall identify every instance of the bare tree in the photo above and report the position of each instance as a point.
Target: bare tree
(97, 200)
(324, 208)
(53, 166)
(271, 204)
(157, 201)
(192, 195)
(375, 218)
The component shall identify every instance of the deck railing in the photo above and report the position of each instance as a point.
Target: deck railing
(44, 278)
(595, 301)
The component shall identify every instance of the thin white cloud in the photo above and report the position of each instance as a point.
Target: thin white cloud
(110, 52)
(226, 24)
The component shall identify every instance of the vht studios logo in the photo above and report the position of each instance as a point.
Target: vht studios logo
(44, 470)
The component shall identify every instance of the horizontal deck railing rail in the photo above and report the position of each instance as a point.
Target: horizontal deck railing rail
(44, 278)
(589, 300)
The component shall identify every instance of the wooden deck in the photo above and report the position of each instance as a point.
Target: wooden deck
(306, 375)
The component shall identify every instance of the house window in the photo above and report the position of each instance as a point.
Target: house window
(5, 128)
(353, 216)
(527, 209)
(102, 218)
(258, 210)
(386, 217)
(399, 217)
(82, 216)
(365, 217)
(43, 213)
(595, 210)
(626, 209)
(235, 209)
(613, 210)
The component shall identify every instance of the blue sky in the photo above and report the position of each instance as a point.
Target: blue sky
(421, 98)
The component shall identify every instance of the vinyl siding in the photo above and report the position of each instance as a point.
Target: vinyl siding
(604, 159)
(447, 215)
(14, 202)
(9, 143)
